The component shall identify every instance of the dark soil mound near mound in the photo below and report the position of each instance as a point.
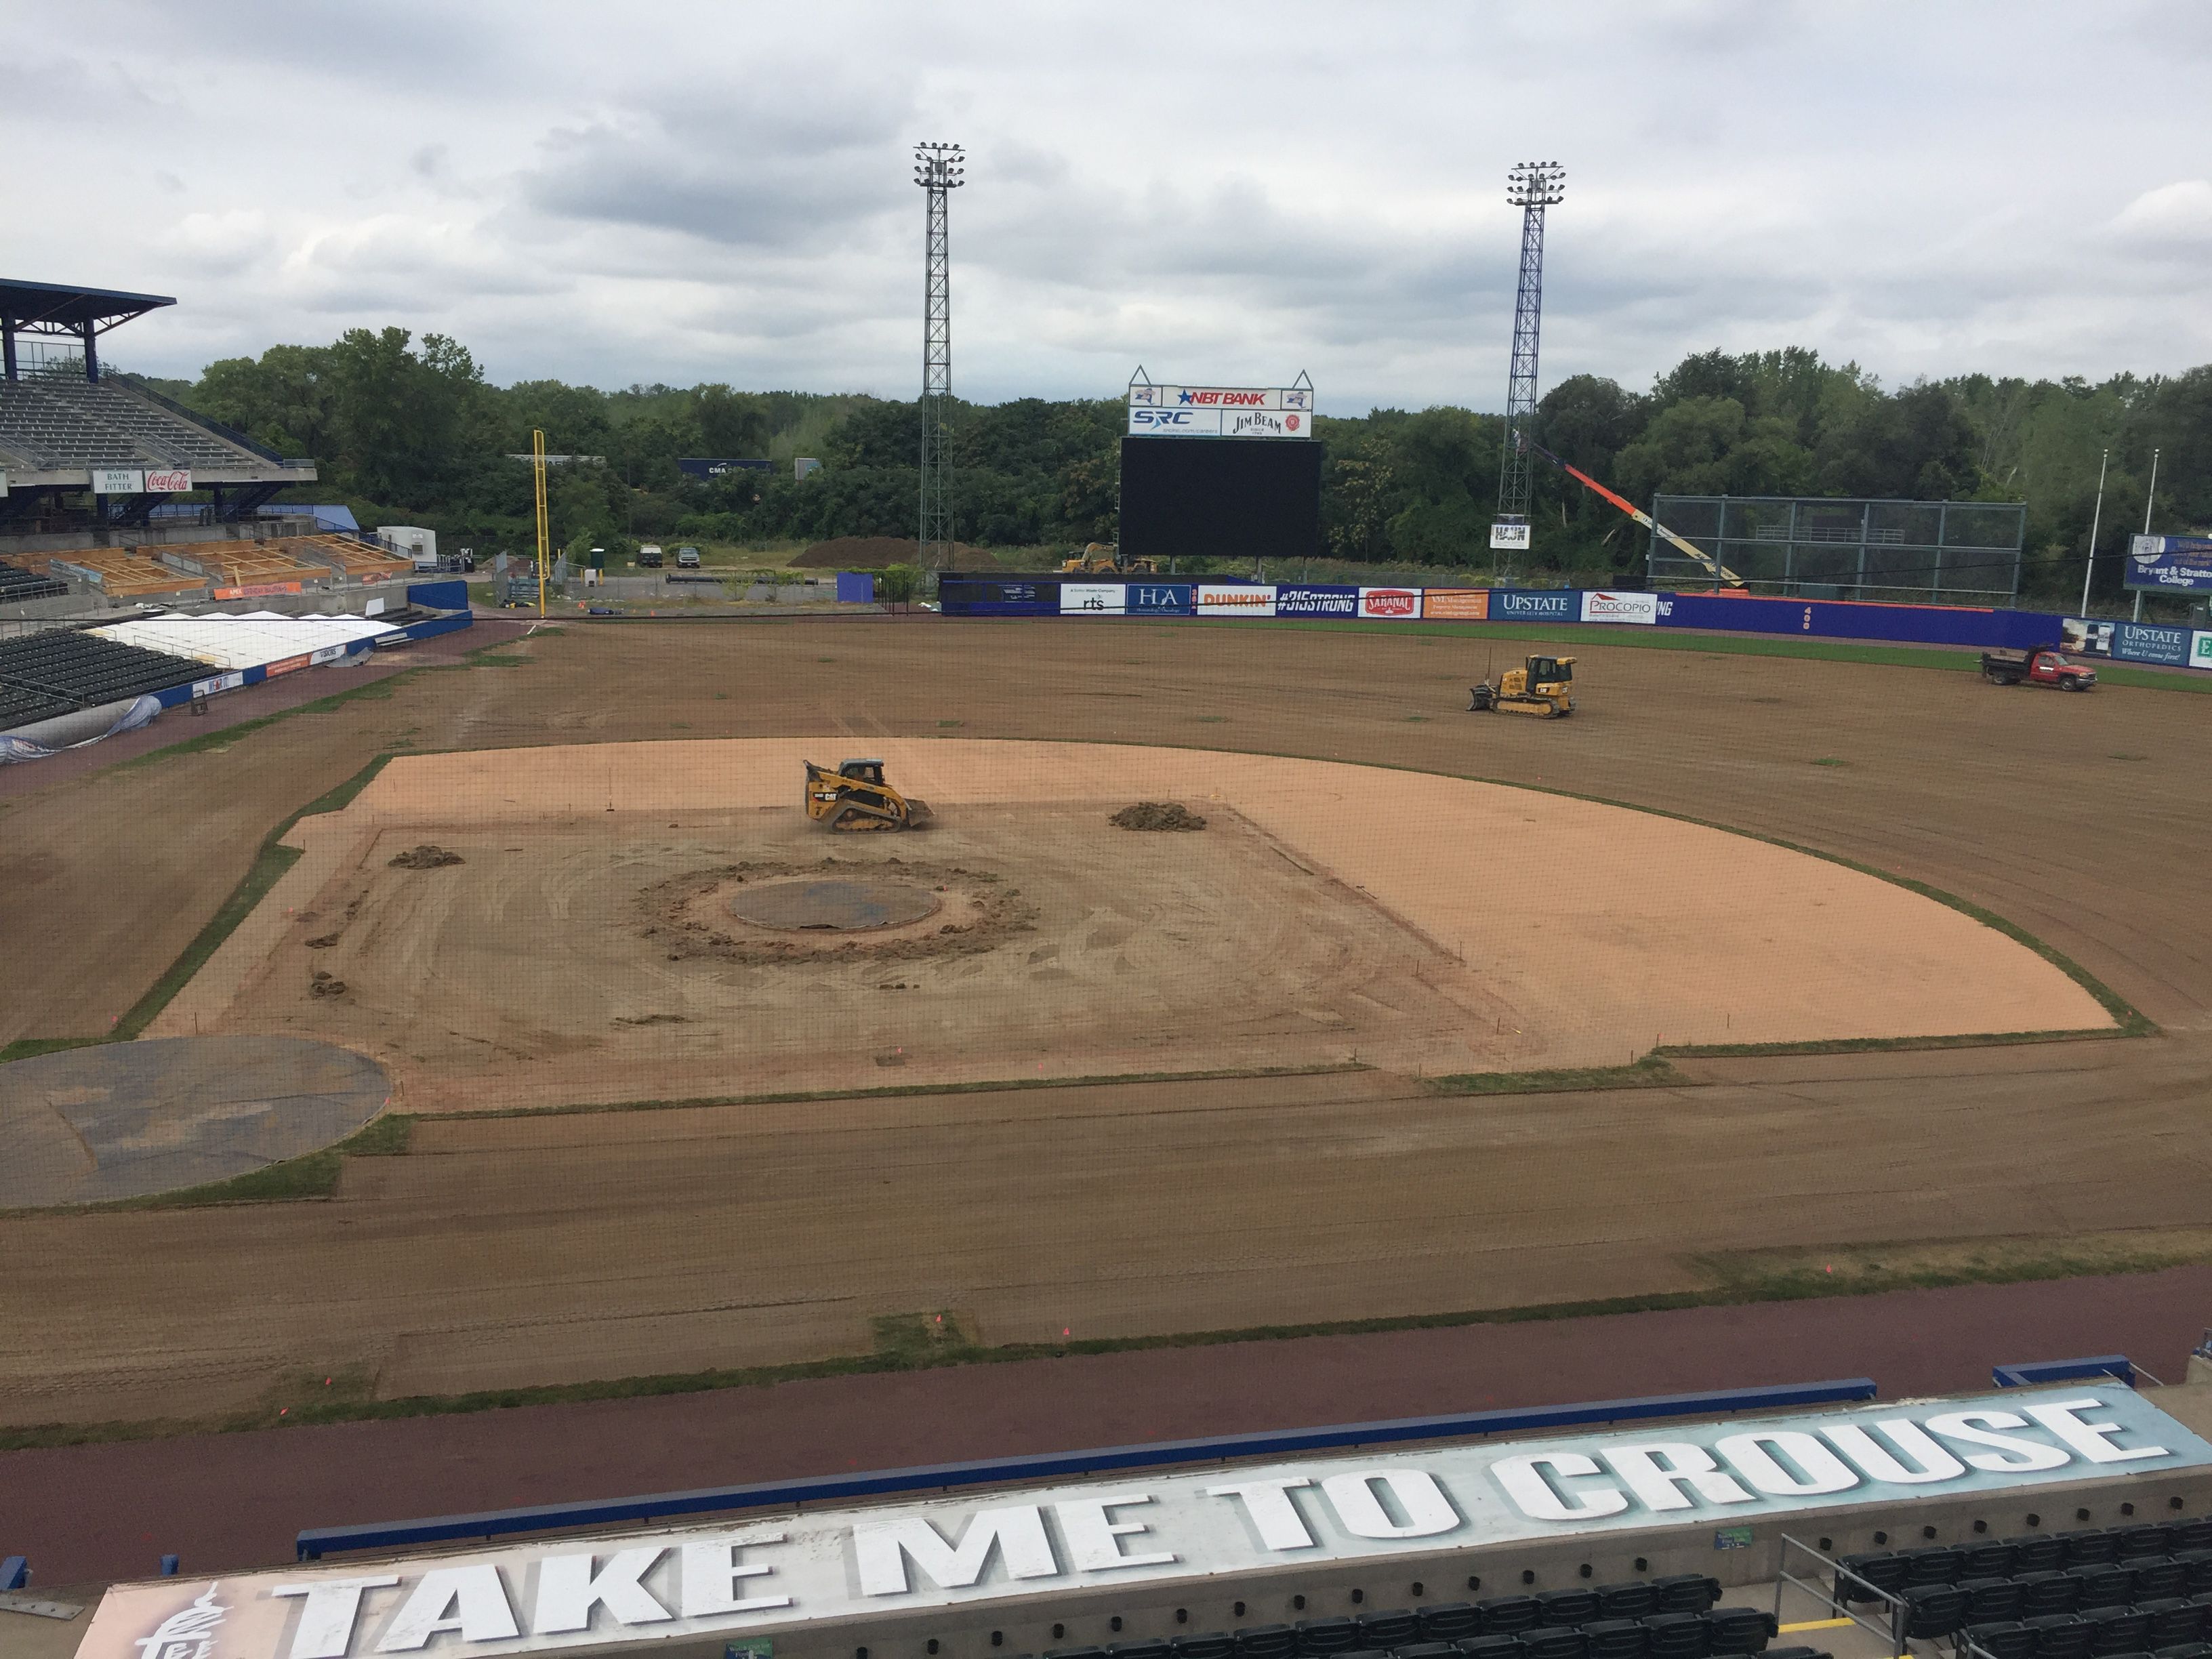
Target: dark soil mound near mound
(428, 856)
(1157, 815)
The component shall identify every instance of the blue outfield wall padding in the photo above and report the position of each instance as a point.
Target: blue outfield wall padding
(439, 596)
(856, 587)
(1834, 619)
(15, 1573)
(316, 1542)
(2113, 1366)
(436, 625)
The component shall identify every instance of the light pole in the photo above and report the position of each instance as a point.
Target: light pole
(938, 169)
(2095, 518)
(2148, 498)
(1532, 186)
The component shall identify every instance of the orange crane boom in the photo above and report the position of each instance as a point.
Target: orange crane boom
(1711, 566)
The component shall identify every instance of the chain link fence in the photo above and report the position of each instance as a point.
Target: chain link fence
(1831, 548)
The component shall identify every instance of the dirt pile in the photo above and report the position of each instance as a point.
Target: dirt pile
(326, 985)
(1157, 815)
(876, 552)
(428, 856)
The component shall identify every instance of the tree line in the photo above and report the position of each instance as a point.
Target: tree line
(412, 432)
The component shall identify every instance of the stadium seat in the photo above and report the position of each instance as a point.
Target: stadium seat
(2150, 1539)
(2185, 1651)
(2173, 1618)
(1447, 1621)
(1882, 1569)
(2115, 1630)
(1687, 1592)
(1932, 1610)
(1680, 1635)
(1209, 1644)
(2106, 1584)
(1569, 1606)
(2192, 1534)
(1988, 1600)
(1392, 1629)
(2090, 1545)
(1491, 1645)
(1510, 1613)
(1997, 1560)
(2004, 1639)
(1555, 1641)
(2047, 1592)
(1617, 1639)
(2197, 1565)
(2060, 1636)
(1267, 1642)
(1427, 1651)
(1319, 1637)
(1741, 1630)
(1152, 1649)
(1631, 1601)
(1935, 1565)
(2157, 1576)
(2037, 1552)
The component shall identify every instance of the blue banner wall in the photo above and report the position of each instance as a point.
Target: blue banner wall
(1917, 624)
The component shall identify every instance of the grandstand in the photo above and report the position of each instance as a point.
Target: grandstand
(81, 448)
(43, 676)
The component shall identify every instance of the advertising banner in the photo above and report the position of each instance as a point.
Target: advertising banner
(2148, 642)
(257, 589)
(1392, 604)
(1090, 600)
(1316, 601)
(1512, 537)
(286, 665)
(1253, 601)
(2200, 649)
(2171, 564)
(1455, 604)
(117, 480)
(1620, 607)
(2080, 637)
(1179, 423)
(719, 466)
(971, 596)
(1221, 397)
(1516, 604)
(171, 481)
(1025, 1547)
(1159, 598)
(229, 681)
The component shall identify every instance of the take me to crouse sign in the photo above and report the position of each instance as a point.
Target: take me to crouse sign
(784, 1571)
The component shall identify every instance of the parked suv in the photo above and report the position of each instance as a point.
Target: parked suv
(648, 557)
(686, 558)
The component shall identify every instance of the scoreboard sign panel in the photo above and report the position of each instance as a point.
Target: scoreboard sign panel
(1220, 412)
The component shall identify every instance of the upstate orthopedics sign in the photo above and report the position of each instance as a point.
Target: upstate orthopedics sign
(785, 1571)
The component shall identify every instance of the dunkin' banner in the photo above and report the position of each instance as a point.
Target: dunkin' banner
(679, 1590)
(1252, 601)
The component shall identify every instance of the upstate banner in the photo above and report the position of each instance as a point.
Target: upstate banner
(730, 1581)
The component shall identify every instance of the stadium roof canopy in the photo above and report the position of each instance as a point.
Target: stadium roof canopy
(59, 308)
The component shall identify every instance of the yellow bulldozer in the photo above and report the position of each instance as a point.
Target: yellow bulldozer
(855, 797)
(1544, 686)
(1099, 559)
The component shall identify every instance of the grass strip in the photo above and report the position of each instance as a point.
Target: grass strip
(1652, 1072)
(1889, 1045)
(905, 1345)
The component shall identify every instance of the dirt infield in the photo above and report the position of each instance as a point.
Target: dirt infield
(729, 1235)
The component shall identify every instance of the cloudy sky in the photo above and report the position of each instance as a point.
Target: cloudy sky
(1224, 192)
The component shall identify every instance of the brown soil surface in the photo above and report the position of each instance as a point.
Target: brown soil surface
(543, 1247)
(1157, 815)
(875, 552)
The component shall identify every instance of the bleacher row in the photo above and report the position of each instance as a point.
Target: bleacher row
(18, 586)
(60, 672)
(66, 422)
(1668, 1618)
(2086, 1595)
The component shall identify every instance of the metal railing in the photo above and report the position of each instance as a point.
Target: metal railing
(1829, 1594)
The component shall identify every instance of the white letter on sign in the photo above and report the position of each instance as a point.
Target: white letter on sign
(326, 1622)
(1428, 1511)
(1094, 1537)
(1535, 1497)
(1824, 1471)
(711, 1570)
(568, 1591)
(1268, 1504)
(1960, 1426)
(474, 1598)
(2088, 1439)
(1863, 1450)
(1656, 1484)
(1018, 1531)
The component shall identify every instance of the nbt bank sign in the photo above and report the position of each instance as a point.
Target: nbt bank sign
(785, 1571)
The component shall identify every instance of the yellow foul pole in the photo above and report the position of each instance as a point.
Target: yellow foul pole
(544, 534)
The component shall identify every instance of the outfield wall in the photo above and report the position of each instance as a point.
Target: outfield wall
(1836, 619)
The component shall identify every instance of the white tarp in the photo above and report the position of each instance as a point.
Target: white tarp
(252, 640)
(1144, 1527)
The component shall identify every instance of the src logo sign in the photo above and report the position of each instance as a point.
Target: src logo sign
(1161, 420)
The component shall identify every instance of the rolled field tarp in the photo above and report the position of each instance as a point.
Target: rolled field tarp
(74, 731)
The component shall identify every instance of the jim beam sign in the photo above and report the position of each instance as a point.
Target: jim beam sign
(685, 1591)
(1220, 412)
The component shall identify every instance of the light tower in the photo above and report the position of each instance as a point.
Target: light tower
(937, 169)
(1532, 186)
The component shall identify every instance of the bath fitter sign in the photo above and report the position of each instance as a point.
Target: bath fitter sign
(731, 1581)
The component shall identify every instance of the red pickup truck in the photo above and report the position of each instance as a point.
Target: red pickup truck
(2045, 666)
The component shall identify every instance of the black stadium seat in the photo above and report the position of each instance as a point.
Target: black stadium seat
(1933, 1565)
(1998, 1560)
(1932, 1610)
(2060, 1636)
(2150, 1539)
(1569, 1606)
(1155, 1649)
(1680, 1635)
(2037, 1552)
(2092, 1545)
(2103, 1585)
(1510, 1613)
(1687, 1592)
(1394, 1628)
(1446, 1621)
(1992, 1599)
(1741, 1630)
(2173, 1618)
(1883, 1569)
(1318, 1637)
(1491, 1645)
(2199, 1564)
(2192, 1534)
(1554, 1642)
(2115, 1630)
(2158, 1576)
(1617, 1639)
(2185, 1651)
(1631, 1601)
(1212, 1644)
(2048, 1592)
(1426, 1651)
(2005, 1639)
(1267, 1642)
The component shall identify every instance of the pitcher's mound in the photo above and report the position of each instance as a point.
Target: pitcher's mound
(120, 1120)
(844, 905)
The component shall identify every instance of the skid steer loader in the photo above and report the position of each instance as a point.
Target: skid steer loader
(855, 797)
(1543, 686)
